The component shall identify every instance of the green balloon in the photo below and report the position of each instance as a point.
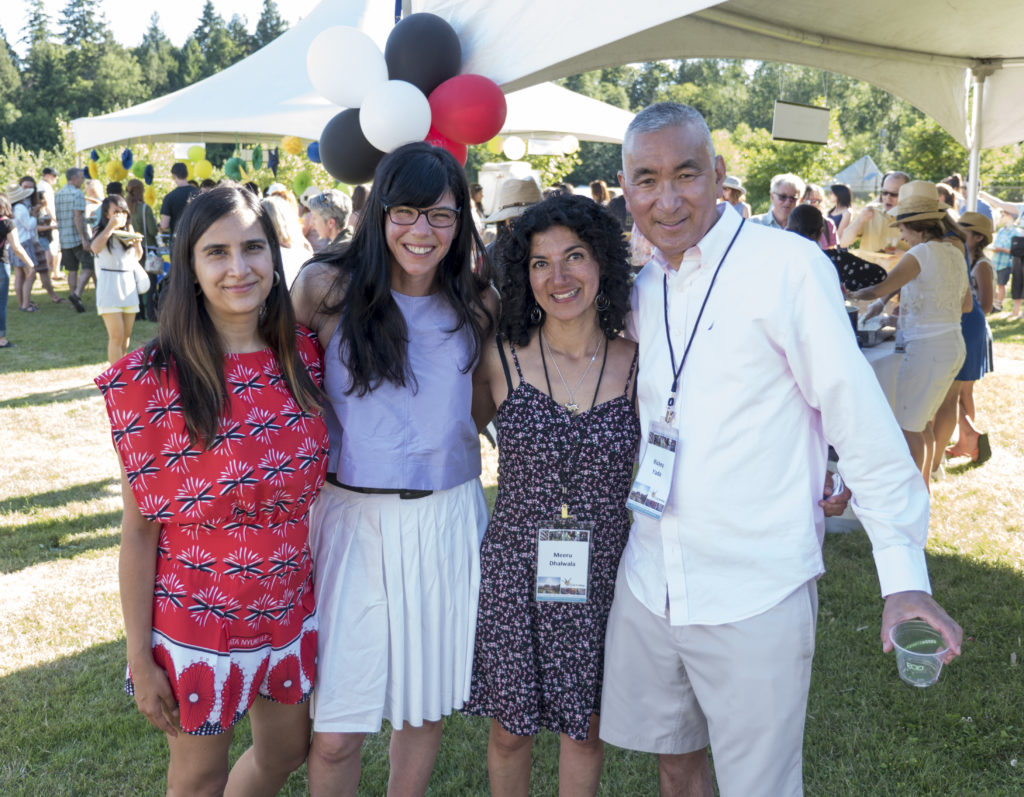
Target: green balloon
(139, 169)
(302, 181)
(232, 168)
(257, 157)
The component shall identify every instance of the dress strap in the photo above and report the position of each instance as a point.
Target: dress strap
(629, 376)
(504, 363)
(515, 360)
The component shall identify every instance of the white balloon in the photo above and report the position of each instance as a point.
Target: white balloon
(570, 144)
(514, 148)
(394, 113)
(344, 65)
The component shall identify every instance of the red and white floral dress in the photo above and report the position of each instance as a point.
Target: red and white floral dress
(233, 607)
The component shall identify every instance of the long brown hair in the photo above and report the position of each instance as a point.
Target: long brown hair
(188, 342)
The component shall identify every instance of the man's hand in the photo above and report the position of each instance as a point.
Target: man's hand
(834, 503)
(916, 605)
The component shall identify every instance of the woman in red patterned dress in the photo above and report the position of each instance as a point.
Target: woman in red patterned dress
(217, 425)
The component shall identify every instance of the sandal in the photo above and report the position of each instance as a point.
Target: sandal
(59, 300)
(29, 309)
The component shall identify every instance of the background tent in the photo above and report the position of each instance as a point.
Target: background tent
(863, 176)
(927, 53)
(269, 95)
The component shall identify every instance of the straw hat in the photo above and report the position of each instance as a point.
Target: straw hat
(734, 183)
(16, 193)
(918, 201)
(976, 222)
(514, 197)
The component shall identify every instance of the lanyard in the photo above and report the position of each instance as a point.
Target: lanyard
(670, 412)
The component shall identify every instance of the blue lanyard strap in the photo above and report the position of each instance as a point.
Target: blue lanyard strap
(676, 371)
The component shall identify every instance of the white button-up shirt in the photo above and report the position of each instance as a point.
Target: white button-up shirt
(773, 377)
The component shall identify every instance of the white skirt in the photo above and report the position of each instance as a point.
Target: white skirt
(927, 370)
(396, 587)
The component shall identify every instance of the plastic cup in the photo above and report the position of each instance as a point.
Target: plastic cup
(920, 650)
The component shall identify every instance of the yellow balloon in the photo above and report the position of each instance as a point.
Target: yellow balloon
(204, 169)
(292, 145)
(495, 145)
(94, 170)
(196, 152)
(115, 170)
(149, 195)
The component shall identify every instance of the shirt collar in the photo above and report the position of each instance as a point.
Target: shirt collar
(708, 250)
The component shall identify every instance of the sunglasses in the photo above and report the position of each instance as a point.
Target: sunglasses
(895, 194)
(785, 197)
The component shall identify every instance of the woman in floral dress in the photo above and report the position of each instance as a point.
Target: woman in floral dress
(217, 425)
(560, 380)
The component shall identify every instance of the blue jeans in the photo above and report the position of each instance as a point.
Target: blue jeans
(5, 289)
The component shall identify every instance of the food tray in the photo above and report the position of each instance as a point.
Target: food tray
(866, 338)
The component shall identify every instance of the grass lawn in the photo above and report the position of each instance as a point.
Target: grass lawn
(67, 729)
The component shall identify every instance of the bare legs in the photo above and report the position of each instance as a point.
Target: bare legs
(199, 764)
(24, 276)
(334, 765)
(944, 423)
(686, 775)
(917, 443)
(119, 333)
(579, 763)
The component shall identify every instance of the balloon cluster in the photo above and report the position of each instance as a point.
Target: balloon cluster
(198, 166)
(411, 92)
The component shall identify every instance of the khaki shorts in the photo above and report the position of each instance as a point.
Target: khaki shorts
(743, 686)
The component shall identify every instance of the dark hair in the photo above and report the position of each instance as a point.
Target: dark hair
(954, 181)
(114, 200)
(179, 170)
(115, 188)
(207, 183)
(188, 342)
(599, 191)
(806, 220)
(945, 192)
(359, 195)
(938, 229)
(34, 197)
(374, 337)
(48, 170)
(134, 193)
(842, 192)
(593, 225)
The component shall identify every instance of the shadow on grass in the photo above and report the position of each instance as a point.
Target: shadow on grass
(28, 544)
(55, 498)
(868, 733)
(1004, 331)
(50, 397)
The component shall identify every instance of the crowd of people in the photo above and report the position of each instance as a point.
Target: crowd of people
(305, 539)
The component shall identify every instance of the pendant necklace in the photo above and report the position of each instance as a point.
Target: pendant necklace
(571, 406)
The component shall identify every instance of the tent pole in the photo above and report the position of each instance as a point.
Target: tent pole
(979, 75)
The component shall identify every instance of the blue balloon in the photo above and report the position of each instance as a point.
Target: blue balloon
(127, 158)
(313, 151)
(94, 155)
(272, 160)
(148, 175)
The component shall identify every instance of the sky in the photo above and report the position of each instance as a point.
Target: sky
(128, 19)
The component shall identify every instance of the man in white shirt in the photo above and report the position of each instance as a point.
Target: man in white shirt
(711, 633)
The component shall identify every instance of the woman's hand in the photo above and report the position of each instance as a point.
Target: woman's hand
(154, 697)
(873, 309)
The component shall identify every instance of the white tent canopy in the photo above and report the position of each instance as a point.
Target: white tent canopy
(863, 175)
(269, 94)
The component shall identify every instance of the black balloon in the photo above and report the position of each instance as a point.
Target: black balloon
(423, 50)
(344, 150)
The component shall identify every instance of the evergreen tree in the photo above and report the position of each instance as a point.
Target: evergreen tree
(37, 28)
(238, 32)
(190, 63)
(158, 60)
(82, 22)
(270, 25)
(10, 84)
(209, 22)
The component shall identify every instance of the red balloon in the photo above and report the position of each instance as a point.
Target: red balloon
(460, 151)
(469, 109)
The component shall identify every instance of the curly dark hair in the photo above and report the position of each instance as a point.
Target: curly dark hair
(597, 228)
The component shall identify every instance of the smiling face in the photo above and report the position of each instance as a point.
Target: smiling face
(418, 248)
(784, 199)
(234, 267)
(564, 274)
(671, 183)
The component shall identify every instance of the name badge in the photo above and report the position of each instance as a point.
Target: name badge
(653, 483)
(563, 561)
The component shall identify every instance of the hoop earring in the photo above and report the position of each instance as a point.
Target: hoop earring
(277, 279)
(536, 315)
(601, 303)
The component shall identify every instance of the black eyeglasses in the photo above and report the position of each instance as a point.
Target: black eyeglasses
(785, 197)
(436, 217)
(890, 193)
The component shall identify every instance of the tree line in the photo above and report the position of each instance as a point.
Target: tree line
(73, 67)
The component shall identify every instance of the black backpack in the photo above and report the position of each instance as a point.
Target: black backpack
(1017, 246)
